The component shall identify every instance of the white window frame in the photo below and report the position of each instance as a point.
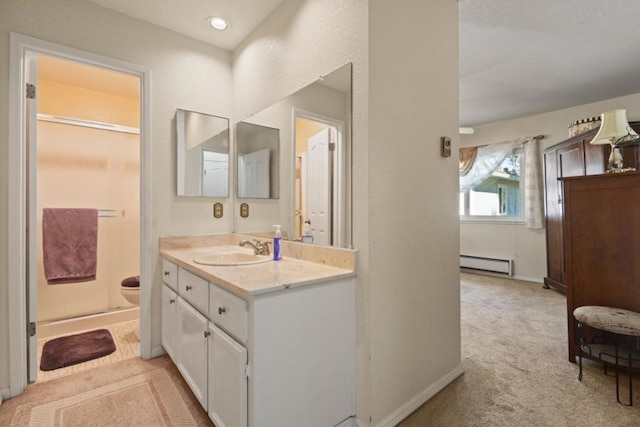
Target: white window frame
(498, 219)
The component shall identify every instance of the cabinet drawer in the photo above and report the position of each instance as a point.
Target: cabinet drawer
(229, 312)
(170, 274)
(194, 290)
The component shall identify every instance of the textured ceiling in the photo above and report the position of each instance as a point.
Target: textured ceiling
(189, 17)
(517, 57)
(520, 58)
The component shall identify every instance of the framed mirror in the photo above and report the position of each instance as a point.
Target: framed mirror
(314, 128)
(258, 161)
(202, 154)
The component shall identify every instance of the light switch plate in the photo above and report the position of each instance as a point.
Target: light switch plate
(446, 146)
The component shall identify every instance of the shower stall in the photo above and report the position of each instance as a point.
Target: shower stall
(88, 156)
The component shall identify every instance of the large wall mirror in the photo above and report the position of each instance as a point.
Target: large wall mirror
(202, 154)
(314, 130)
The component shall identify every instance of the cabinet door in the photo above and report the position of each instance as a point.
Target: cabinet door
(169, 321)
(227, 380)
(192, 349)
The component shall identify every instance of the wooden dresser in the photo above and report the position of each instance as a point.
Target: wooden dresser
(601, 243)
(572, 157)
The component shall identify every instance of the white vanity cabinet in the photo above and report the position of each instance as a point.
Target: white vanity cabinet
(283, 357)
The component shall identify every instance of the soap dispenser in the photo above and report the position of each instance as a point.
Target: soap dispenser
(277, 250)
(307, 237)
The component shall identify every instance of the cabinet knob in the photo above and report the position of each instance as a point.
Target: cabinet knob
(172, 300)
(221, 310)
(166, 273)
(559, 201)
(206, 334)
(188, 288)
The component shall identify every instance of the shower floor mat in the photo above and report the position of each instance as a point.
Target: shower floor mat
(74, 349)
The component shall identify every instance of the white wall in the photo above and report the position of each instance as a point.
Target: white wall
(413, 200)
(528, 247)
(185, 74)
(300, 41)
(408, 282)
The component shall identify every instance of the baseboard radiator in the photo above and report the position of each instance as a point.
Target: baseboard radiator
(490, 265)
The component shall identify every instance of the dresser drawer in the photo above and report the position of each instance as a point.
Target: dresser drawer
(229, 312)
(170, 274)
(194, 290)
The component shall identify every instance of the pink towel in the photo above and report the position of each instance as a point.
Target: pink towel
(69, 245)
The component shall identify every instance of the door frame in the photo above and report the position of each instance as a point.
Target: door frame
(339, 178)
(21, 47)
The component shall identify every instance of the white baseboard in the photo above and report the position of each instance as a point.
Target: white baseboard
(408, 408)
(502, 276)
(529, 279)
(5, 394)
(157, 351)
(350, 422)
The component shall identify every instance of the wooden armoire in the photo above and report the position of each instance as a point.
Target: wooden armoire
(592, 227)
(572, 157)
(601, 230)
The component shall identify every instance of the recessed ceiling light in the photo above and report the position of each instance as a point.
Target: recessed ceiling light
(218, 23)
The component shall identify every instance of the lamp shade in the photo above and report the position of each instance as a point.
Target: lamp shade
(614, 126)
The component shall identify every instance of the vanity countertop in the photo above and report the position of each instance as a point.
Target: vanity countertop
(301, 264)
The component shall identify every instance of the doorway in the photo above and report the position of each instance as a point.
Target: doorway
(23, 175)
(87, 156)
(319, 179)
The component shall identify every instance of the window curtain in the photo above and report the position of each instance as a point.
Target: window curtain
(467, 158)
(487, 160)
(533, 209)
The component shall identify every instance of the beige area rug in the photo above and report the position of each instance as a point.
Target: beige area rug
(517, 372)
(129, 393)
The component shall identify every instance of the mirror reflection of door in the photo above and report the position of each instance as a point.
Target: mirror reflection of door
(253, 174)
(215, 173)
(316, 179)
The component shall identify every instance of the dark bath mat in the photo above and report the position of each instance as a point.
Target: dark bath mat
(74, 349)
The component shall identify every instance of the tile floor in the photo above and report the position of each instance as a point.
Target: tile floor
(126, 337)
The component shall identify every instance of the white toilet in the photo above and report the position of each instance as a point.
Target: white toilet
(130, 289)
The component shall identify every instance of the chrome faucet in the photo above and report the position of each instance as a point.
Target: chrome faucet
(259, 248)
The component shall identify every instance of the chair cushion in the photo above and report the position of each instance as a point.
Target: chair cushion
(610, 319)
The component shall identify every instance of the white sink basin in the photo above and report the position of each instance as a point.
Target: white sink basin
(231, 258)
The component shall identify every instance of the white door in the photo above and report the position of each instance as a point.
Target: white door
(318, 188)
(227, 380)
(169, 321)
(215, 174)
(192, 349)
(31, 72)
(253, 174)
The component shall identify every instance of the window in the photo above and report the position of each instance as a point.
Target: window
(498, 196)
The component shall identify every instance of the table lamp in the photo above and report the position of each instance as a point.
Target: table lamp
(616, 131)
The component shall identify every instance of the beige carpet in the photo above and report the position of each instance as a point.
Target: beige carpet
(517, 373)
(129, 393)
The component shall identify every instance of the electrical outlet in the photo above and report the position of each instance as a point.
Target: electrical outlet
(244, 210)
(218, 210)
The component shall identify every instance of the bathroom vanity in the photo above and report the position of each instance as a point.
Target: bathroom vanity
(265, 344)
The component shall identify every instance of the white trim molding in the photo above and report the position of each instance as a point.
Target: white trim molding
(408, 408)
(20, 47)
